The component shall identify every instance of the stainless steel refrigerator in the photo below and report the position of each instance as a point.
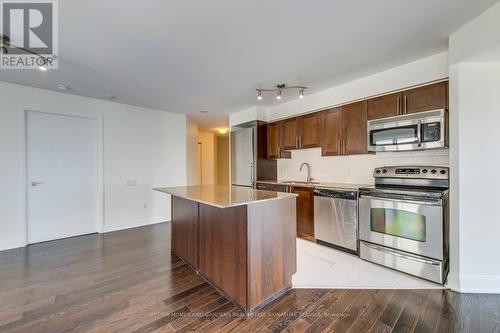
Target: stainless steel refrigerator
(249, 162)
(243, 156)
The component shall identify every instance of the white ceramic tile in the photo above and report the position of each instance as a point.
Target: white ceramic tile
(353, 169)
(323, 267)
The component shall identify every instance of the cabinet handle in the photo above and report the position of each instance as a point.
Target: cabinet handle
(297, 142)
(300, 142)
(405, 105)
(398, 106)
(339, 147)
(345, 147)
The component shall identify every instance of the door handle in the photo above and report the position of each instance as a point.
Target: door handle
(400, 255)
(36, 183)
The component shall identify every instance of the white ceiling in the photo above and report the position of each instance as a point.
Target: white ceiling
(186, 56)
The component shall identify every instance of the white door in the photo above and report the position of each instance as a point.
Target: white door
(62, 175)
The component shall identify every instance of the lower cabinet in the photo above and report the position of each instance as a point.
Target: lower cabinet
(305, 207)
(305, 212)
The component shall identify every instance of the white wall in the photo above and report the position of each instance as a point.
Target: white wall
(475, 155)
(145, 145)
(193, 171)
(356, 169)
(208, 154)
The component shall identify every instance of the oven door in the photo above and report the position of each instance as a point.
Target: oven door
(410, 225)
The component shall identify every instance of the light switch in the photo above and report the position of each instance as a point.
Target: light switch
(131, 182)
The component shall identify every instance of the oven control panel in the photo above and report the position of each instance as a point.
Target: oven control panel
(426, 172)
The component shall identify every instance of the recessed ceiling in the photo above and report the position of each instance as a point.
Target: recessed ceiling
(187, 56)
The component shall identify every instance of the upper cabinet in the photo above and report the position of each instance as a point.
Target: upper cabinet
(426, 98)
(309, 130)
(275, 141)
(332, 132)
(343, 130)
(355, 128)
(385, 106)
(290, 134)
(302, 132)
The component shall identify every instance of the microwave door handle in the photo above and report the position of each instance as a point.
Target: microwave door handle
(419, 132)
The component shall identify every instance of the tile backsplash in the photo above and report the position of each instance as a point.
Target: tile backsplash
(356, 169)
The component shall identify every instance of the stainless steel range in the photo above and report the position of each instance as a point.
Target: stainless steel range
(403, 220)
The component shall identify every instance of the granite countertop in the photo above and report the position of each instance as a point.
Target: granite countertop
(224, 196)
(340, 186)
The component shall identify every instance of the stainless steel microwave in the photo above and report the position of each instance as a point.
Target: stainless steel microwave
(418, 131)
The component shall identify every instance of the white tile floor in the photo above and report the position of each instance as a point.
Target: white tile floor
(320, 266)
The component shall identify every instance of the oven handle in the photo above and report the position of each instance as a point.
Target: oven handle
(400, 255)
(431, 202)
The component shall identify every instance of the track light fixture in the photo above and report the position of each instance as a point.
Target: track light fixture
(279, 91)
(41, 61)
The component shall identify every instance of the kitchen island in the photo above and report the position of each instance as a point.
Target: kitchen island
(240, 239)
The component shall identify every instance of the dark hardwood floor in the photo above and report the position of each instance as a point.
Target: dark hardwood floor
(127, 281)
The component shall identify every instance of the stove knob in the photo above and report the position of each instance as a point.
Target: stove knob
(378, 172)
(384, 171)
(433, 171)
(425, 171)
(442, 172)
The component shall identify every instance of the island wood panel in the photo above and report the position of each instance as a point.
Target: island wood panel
(271, 249)
(223, 249)
(185, 229)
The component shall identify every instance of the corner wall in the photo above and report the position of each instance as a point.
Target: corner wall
(474, 157)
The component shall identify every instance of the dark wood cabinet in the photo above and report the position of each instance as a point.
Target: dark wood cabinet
(385, 106)
(309, 131)
(355, 128)
(426, 98)
(290, 137)
(332, 132)
(305, 212)
(275, 141)
(343, 130)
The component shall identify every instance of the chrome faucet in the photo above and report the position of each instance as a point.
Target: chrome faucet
(308, 179)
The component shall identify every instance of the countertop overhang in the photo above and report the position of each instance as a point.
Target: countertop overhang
(224, 196)
(334, 186)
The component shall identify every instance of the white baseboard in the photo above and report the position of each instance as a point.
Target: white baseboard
(134, 224)
(9, 245)
(483, 284)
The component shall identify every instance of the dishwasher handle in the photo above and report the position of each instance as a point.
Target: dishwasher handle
(336, 194)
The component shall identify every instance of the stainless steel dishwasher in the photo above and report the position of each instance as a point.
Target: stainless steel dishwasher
(336, 218)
